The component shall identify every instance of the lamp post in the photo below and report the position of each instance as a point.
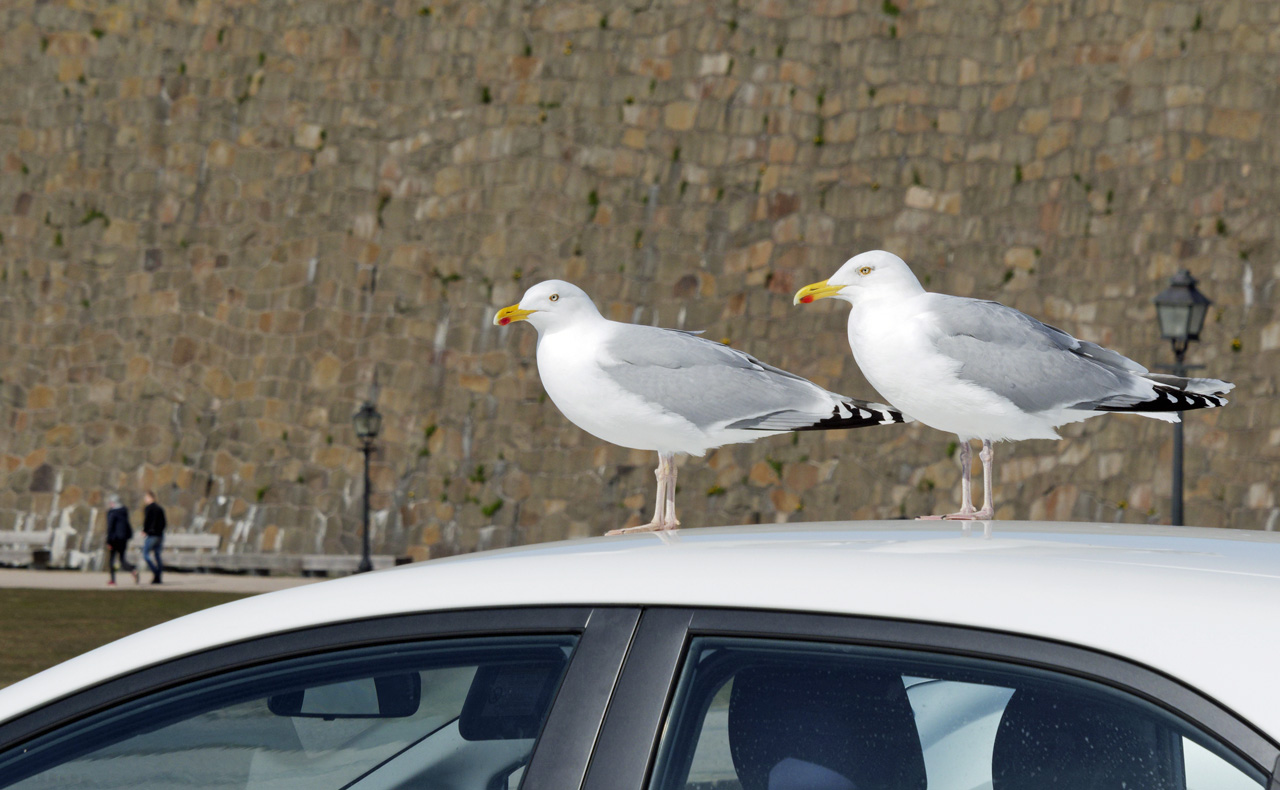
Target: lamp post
(1180, 309)
(367, 421)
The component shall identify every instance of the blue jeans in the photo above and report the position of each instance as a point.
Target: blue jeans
(151, 547)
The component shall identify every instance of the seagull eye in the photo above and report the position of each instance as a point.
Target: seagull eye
(554, 297)
(865, 270)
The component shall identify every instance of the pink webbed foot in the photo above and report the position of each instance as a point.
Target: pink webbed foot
(985, 514)
(962, 515)
(650, 527)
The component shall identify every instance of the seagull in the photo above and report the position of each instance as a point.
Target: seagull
(668, 390)
(988, 372)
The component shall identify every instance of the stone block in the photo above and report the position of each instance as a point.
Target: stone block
(785, 501)
(1269, 338)
(762, 475)
(1183, 95)
(801, 477)
(1054, 139)
(919, 197)
(41, 397)
(680, 116)
(1237, 124)
(325, 371)
(1023, 258)
(309, 135)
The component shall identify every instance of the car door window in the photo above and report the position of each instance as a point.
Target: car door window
(450, 713)
(762, 714)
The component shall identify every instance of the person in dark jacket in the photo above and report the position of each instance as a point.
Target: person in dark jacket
(118, 533)
(153, 524)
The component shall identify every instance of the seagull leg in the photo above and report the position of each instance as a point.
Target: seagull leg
(966, 485)
(966, 477)
(988, 499)
(661, 497)
(669, 518)
(988, 511)
(664, 507)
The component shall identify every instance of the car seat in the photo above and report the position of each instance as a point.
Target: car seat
(1052, 740)
(817, 725)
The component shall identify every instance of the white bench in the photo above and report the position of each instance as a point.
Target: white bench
(265, 564)
(184, 550)
(325, 564)
(25, 548)
(257, 563)
(199, 552)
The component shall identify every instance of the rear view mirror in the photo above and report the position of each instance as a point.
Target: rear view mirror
(385, 697)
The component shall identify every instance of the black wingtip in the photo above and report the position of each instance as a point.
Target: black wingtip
(856, 415)
(1170, 399)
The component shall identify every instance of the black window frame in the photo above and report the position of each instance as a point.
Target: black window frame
(603, 729)
(561, 754)
(629, 740)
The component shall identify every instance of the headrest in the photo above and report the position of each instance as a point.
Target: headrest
(508, 700)
(1047, 740)
(821, 715)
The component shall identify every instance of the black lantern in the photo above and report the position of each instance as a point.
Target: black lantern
(368, 422)
(1181, 310)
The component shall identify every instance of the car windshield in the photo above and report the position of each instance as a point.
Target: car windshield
(382, 717)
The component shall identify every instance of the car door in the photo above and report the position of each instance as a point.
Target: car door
(745, 700)
(472, 700)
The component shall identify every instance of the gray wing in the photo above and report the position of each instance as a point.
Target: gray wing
(1034, 365)
(713, 385)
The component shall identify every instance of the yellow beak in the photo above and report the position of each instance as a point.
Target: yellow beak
(513, 313)
(816, 291)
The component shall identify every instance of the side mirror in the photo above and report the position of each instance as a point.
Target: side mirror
(385, 697)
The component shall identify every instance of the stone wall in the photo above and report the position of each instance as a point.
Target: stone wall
(223, 220)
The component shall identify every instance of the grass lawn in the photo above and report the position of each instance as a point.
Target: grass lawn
(43, 627)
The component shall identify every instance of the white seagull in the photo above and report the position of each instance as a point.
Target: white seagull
(667, 390)
(984, 371)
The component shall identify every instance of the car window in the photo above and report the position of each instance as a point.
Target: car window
(454, 713)
(760, 714)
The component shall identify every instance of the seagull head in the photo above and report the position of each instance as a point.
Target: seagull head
(547, 304)
(865, 275)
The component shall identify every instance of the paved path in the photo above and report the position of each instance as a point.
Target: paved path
(97, 580)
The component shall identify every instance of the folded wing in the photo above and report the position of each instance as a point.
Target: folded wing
(714, 386)
(1039, 367)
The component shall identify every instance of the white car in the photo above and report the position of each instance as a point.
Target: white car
(869, 656)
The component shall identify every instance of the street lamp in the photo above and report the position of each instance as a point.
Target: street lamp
(367, 421)
(1180, 309)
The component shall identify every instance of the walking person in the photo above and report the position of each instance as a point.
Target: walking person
(118, 533)
(153, 524)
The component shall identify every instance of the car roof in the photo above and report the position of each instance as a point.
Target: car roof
(1194, 603)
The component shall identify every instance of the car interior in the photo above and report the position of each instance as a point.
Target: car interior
(761, 715)
(453, 715)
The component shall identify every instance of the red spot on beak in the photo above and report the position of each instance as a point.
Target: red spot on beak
(806, 298)
(503, 321)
